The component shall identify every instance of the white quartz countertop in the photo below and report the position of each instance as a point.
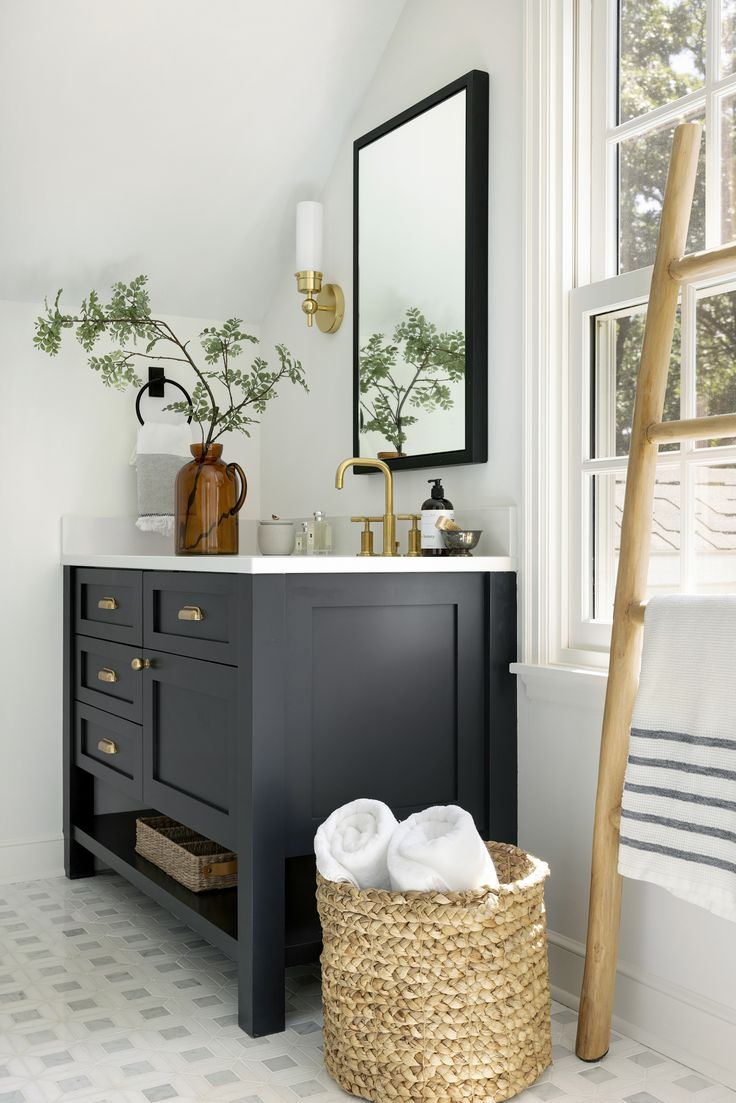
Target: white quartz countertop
(292, 564)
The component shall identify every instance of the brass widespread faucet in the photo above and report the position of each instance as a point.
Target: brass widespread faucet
(389, 517)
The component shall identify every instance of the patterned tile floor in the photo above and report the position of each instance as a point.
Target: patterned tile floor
(107, 998)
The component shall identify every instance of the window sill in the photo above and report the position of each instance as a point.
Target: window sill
(578, 687)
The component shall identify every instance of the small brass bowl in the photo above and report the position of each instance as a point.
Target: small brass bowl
(461, 542)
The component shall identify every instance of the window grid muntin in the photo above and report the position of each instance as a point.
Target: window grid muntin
(707, 99)
(686, 461)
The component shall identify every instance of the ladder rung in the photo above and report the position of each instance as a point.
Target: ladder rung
(636, 611)
(711, 262)
(695, 428)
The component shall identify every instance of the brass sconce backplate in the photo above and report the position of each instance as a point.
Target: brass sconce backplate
(331, 304)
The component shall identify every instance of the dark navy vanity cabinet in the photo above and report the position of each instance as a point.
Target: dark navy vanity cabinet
(249, 706)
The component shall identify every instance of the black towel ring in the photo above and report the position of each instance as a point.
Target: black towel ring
(172, 383)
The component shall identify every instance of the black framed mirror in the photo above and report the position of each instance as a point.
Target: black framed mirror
(420, 331)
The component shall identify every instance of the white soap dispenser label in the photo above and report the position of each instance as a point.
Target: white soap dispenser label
(431, 535)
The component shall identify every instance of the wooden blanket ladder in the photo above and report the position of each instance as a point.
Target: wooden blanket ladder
(671, 269)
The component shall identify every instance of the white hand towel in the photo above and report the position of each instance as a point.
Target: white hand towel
(439, 850)
(351, 845)
(678, 813)
(162, 448)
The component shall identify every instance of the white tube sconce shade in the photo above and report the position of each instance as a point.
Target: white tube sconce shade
(309, 237)
(325, 302)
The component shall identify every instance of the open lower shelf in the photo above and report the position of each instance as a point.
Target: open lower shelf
(111, 838)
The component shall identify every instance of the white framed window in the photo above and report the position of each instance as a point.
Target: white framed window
(648, 66)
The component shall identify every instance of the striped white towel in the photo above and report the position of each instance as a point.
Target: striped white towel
(678, 815)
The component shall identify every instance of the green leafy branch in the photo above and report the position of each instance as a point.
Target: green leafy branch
(436, 360)
(126, 321)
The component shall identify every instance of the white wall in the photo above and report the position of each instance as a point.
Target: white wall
(171, 138)
(66, 441)
(433, 43)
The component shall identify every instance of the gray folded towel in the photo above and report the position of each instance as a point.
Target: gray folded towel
(161, 450)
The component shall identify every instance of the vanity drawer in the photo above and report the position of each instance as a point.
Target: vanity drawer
(109, 604)
(105, 678)
(191, 614)
(110, 748)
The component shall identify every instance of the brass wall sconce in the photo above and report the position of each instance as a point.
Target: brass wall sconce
(323, 301)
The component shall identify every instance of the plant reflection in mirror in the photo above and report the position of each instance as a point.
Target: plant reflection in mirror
(413, 371)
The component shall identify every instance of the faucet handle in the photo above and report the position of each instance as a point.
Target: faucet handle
(366, 536)
(415, 539)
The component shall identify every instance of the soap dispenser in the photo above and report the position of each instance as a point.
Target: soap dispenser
(437, 505)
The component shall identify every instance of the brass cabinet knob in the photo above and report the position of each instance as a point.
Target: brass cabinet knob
(107, 603)
(107, 746)
(106, 675)
(140, 664)
(190, 612)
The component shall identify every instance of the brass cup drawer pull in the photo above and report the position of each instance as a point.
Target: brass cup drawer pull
(107, 603)
(190, 612)
(107, 746)
(220, 869)
(140, 664)
(106, 675)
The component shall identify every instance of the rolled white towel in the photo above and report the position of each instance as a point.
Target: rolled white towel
(351, 845)
(439, 850)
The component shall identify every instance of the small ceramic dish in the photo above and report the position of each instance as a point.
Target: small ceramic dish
(276, 537)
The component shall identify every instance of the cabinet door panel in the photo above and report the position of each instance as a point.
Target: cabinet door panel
(387, 695)
(372, 716)
(109, 604)
(189, 733)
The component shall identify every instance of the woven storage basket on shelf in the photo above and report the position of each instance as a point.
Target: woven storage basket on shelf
(431, 997)
(188, 857)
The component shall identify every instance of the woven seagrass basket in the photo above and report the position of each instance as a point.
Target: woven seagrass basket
(188, 857)
(431, 997)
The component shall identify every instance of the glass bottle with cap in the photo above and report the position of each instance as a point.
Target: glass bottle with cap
(319, 535)
(300, 544)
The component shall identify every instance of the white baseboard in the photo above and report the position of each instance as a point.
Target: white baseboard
(682, 1024)
(31, 859)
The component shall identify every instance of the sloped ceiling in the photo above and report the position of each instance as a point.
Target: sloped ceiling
(172, 137)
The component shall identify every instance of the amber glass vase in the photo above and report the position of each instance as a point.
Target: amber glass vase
(207, 503)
